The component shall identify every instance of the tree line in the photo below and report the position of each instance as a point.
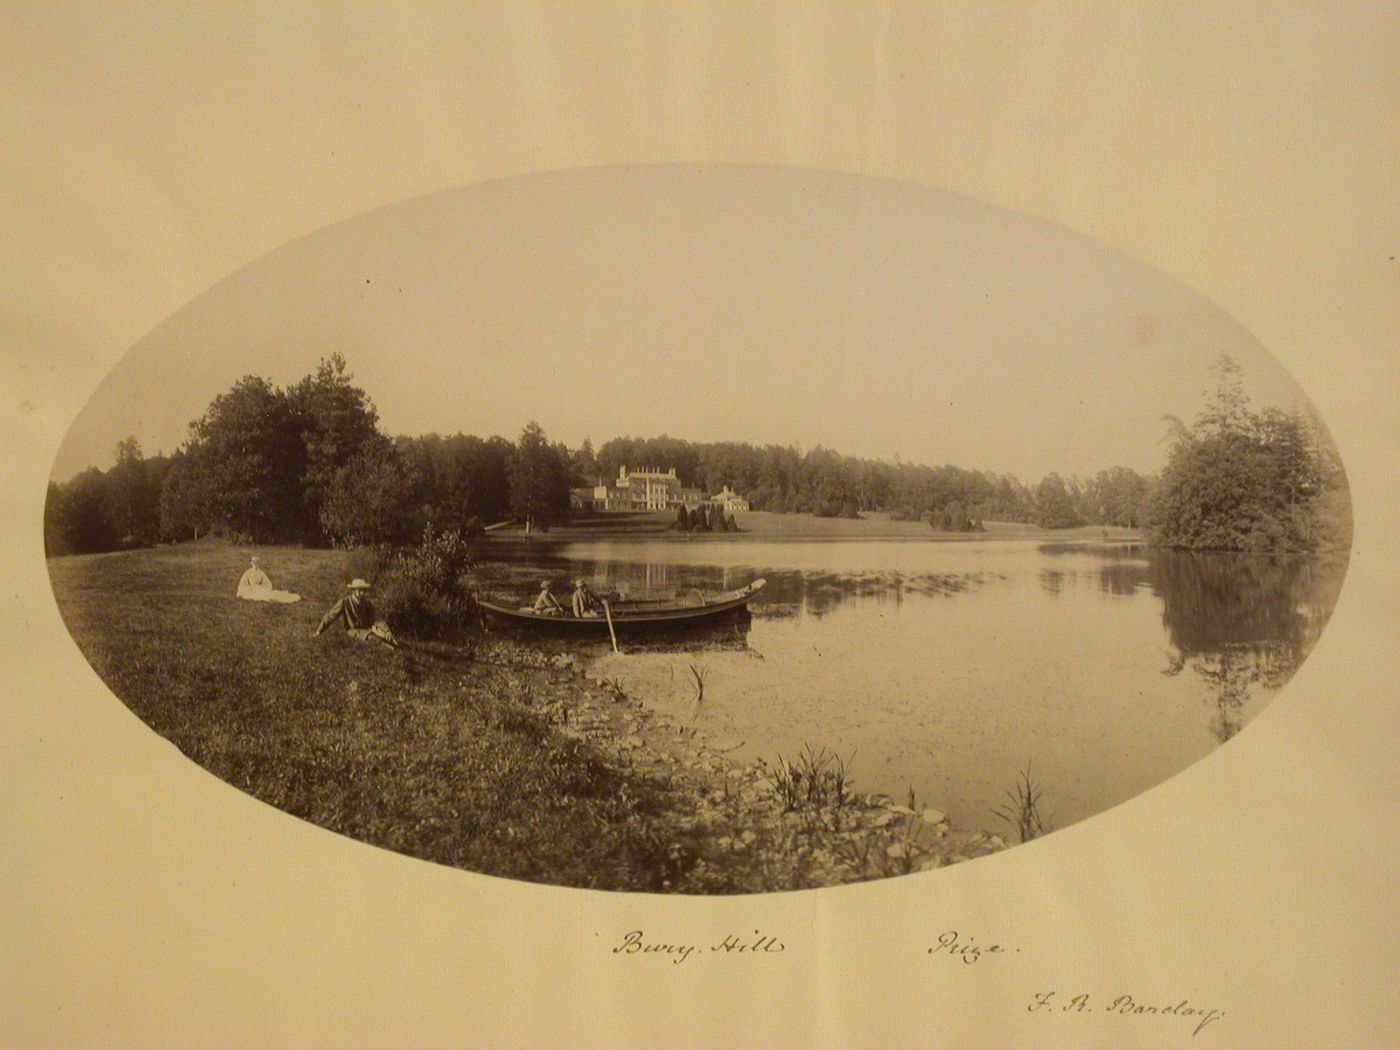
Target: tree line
(309, 464)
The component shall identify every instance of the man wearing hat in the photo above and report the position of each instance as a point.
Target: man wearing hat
(585, 602)
(546, 604)
(362, 619)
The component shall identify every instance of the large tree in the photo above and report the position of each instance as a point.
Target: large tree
(132, 499)
(242, 467)
(1117, 496)
(460, 477)
(539, 481)
(1054, 505)
(337, 421)
(583, 464)
(77, 518)
(370, 500)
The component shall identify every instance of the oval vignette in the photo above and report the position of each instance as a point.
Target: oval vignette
(1037, 528)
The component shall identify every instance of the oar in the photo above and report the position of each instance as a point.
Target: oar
(607, 611)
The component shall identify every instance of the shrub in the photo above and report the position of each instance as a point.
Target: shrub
(426, 591)
(937, 519)
(475, 526)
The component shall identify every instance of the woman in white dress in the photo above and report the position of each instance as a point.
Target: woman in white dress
(256, 587)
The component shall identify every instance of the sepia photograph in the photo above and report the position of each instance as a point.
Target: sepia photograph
(682, 525)
(696, 529)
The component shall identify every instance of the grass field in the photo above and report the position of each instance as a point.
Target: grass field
(432, 751)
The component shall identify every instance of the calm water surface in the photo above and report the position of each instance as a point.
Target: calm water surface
(947, 667)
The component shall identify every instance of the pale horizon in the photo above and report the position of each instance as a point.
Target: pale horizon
(708, 303)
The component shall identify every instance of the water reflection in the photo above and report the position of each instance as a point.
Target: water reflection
(949, 666)
(732, 637)
(1234, 620)
(1242, 620)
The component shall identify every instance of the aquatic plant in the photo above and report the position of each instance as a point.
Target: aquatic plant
(1023, 809)
(815, 780)
(698, 673)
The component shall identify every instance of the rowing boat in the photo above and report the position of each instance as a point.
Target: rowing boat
(634, 615)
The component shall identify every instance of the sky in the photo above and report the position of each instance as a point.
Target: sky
(708, 302)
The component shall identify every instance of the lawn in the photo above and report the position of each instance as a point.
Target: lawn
(430, 750)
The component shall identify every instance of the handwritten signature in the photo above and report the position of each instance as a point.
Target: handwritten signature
(1046, 1002)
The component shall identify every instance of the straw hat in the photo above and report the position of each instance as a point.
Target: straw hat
(357, 584)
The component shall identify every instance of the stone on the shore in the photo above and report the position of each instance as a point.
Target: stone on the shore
(897, 850)
(933, 816)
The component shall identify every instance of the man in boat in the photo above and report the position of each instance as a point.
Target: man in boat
(362, 619)
(546, 604)
(585, 602)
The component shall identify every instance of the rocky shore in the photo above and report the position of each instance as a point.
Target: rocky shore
(764, 826)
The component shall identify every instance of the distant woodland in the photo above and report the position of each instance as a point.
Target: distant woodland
(309, 464)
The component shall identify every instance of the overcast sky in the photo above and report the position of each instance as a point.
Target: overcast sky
(710, 303)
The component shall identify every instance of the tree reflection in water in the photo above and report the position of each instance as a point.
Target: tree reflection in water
(1240, 620)
(1235, 620)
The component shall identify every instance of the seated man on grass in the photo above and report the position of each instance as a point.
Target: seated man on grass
(362, 619)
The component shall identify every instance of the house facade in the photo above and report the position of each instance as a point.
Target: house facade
(729, 500)
(649, 489)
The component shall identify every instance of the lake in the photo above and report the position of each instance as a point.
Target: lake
(949, 668)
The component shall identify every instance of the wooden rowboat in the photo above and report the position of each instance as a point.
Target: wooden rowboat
(628, 616)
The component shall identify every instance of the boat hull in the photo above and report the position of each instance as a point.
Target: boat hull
(646, 617)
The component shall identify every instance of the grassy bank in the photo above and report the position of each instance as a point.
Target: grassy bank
(499, 757)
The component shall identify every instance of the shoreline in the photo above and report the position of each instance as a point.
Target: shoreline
(769, 526)
(749, 815)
